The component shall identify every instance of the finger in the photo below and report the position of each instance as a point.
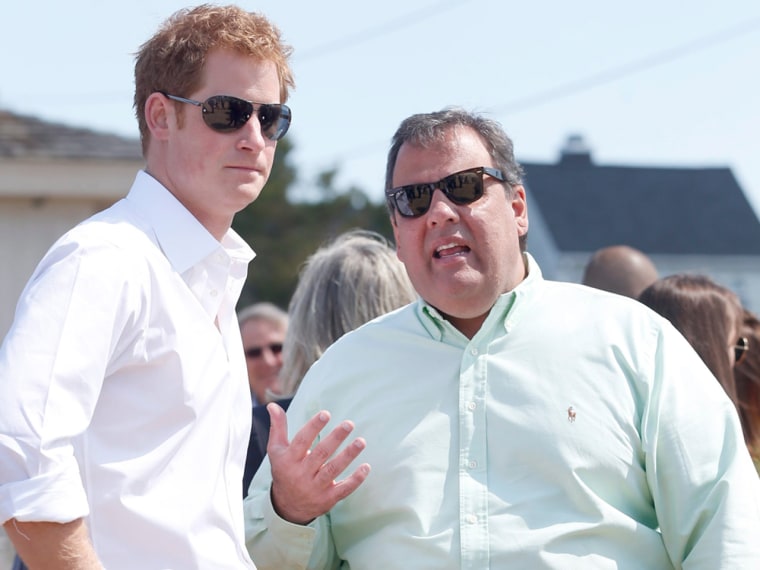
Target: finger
(278, 428)
(330, 443)
(344, 488)
(333, 468)
(304, 439)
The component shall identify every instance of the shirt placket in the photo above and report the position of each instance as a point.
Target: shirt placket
(473, 484)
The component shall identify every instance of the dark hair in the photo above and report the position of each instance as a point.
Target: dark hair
(425, 129)
(707, 314)
(747, 374)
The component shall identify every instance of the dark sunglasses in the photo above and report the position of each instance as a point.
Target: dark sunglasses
(740, 350)
(462, 187)
(225, 114)
(257, 351)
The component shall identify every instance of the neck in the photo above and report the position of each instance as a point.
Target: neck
(467, 326)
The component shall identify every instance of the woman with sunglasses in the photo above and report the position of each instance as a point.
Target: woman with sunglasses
(708, 315)
(747, 373)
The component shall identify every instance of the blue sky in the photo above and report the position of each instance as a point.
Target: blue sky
(647, 83)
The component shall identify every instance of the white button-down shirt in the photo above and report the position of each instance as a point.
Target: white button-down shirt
(123, 388)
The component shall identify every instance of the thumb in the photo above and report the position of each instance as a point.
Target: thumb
(278, 428)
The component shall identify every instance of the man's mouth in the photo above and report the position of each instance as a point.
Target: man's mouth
(450, 250)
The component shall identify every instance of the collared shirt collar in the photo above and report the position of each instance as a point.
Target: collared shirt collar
(182, 238)
(437, 325)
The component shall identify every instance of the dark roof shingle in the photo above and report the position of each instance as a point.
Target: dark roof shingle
(22, 136)
(659, 210)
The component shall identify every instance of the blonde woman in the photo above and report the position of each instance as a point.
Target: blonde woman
(344, 284)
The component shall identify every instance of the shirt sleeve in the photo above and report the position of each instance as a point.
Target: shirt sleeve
(274, 543)
(705, 490)
(52, 365)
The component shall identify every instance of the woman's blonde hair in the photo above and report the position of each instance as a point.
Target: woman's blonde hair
(344, 284)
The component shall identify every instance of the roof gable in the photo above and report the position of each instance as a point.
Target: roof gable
(657, 210)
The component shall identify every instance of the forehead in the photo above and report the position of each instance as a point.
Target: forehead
(261, 327)
(232, 73)
(461, 148)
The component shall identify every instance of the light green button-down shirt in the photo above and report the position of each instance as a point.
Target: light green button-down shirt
(577, 429)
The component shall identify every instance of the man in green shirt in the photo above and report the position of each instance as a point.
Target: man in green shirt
(510, 421)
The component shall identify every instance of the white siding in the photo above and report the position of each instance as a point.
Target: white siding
(741, 274)
(41, 199)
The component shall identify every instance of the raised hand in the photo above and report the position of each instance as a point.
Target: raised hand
(304, 482)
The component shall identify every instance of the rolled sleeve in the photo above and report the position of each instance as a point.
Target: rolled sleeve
(52, 365)
(52, 497)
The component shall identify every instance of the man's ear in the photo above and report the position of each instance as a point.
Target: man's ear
(394, 227)
(520, 209)
(159, 111)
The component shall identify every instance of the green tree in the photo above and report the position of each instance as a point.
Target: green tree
(284, 232)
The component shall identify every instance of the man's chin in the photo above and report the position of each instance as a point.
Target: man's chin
(248, 194)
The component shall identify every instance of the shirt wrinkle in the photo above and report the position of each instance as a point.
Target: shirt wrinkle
(522, 447)
(182, 238)
(129, 388)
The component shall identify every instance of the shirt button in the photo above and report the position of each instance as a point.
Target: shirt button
(471, 406)
(472, 464)
(213, 292)
(474, 351)
(472, 519)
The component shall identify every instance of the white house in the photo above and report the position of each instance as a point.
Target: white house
(52, 177)
(688, 220)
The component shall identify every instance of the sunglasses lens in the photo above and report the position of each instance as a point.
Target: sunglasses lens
(226, 114)
(463, 187)
(413, 201)
(274, 120)
(257, 351)
(740, 350)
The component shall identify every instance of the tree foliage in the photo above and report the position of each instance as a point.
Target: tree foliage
(284, 232)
